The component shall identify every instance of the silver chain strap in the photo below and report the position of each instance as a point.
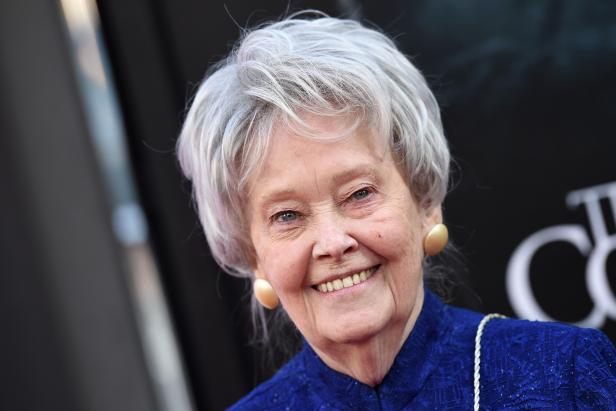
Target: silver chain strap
(478, 335)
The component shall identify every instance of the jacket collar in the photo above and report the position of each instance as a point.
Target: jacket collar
(418, 357)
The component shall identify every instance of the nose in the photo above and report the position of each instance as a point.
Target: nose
(333, 241)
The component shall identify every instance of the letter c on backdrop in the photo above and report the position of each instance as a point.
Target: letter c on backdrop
(518, 273)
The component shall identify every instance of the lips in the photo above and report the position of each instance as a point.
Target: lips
(347, 281)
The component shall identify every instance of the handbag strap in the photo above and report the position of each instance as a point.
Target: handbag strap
(478, 335)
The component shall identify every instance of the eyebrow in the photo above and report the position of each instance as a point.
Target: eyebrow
(359, 170)
(338, 178)
(277, 196)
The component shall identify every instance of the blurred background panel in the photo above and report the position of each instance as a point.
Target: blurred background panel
(69, 331)
(109, 298)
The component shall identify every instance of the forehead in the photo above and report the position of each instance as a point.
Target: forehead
(327, 145)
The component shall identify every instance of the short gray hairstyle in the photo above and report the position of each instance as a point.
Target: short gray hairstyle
(279, 71)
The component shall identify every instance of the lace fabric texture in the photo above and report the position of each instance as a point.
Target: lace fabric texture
(524, 365)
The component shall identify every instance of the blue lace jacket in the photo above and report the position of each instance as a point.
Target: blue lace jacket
(524, 365)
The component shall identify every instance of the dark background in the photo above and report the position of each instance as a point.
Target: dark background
(527, 91)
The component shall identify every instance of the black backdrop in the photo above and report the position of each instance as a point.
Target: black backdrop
(527, 92)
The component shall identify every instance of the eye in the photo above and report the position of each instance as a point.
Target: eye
(360, 194)
(285, 216)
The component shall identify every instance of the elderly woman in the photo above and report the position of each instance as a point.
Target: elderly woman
(319, 167)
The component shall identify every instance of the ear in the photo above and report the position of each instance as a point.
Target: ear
(432, 217)
(258, 272)
(255, 267)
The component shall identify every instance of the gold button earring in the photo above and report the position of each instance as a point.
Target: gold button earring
(265, 294)
(436, 240)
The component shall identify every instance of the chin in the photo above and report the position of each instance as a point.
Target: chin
(355, 328)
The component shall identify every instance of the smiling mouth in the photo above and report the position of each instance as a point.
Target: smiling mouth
(346, 282)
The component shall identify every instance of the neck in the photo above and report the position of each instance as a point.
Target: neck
(369, 360)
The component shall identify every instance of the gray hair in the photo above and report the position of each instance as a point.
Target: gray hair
(279, 71)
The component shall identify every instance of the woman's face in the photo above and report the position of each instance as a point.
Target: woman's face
(337, 215)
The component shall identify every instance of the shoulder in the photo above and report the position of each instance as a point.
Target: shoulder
(577, 365)
(534, 337)
(530, 335)
(278, 392)
(548, 342)
(513, 331)
(595, 370)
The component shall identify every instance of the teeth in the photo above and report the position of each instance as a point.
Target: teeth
(338, 285)
(345, 282)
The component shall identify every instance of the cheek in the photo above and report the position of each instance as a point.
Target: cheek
(286, 266)
(396, 237)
